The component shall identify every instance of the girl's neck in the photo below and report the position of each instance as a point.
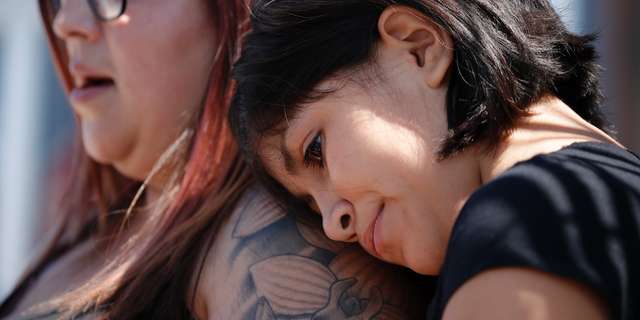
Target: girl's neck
(551, 126)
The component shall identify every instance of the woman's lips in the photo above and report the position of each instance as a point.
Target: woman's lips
(80, 96)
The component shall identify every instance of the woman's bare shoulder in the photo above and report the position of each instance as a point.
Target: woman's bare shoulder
(265, 265)
(520, 293)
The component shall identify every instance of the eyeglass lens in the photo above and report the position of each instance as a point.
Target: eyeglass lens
(104, 9)
(108, 9)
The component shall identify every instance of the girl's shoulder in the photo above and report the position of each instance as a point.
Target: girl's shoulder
(574, 213)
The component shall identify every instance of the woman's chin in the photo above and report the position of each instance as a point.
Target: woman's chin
(119, 161)
(130, 172)
(140, 170)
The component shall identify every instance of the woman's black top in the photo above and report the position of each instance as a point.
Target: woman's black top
(574, 213)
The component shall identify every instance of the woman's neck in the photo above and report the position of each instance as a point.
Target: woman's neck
(551, 126)
(142, 212)
(151, 197)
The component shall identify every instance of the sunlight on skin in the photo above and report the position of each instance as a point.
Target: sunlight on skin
(534, 304)
(526, 294)
(365, 131)
(551, 125)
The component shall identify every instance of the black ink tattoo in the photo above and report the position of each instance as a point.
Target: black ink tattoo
(296, 272)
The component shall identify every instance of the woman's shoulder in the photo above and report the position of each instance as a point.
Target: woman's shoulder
(574, 213)
(265, 264)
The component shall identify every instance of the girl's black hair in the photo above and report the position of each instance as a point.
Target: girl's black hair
(507, 55)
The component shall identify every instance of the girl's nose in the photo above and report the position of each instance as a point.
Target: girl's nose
(339, 222)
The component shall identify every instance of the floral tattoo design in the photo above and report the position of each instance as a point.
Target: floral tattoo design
(296, 272)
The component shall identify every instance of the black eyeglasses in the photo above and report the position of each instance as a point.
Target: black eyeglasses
(103, 9)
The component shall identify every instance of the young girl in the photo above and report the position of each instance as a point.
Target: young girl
(460, 138)
(149, 83)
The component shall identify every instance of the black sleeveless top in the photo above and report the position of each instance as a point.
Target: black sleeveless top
(574, 213)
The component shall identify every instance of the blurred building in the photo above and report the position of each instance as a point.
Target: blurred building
(36, 125)
(36, 128)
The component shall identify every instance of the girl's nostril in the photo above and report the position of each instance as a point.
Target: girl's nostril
(344, 220)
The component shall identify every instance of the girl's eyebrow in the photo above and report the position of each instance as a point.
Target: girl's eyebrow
(289, 163)
(291, 168)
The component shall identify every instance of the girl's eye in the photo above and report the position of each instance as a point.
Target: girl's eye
(313, 154)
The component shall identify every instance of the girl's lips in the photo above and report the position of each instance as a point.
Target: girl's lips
(372, 238)
(377, 232)
(84, 95)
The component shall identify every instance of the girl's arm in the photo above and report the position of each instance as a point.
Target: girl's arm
(524, 294)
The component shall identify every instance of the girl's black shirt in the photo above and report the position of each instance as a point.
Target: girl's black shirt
(574, 213)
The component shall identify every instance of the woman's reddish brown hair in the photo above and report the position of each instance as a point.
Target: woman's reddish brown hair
(152, 275)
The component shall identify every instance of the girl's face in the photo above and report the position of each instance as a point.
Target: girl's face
(364, 159)
(138, 79)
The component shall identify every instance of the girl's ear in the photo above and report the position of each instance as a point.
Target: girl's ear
(412, 32)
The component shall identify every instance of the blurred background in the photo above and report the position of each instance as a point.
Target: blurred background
(37, 127)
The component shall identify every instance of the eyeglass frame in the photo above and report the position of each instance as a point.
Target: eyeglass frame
(94, 9)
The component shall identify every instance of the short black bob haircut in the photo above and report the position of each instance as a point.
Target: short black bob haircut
(508, 54)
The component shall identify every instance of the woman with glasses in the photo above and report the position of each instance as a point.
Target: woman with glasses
(162, 219)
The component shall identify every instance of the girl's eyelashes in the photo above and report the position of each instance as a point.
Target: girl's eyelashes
(313, 154)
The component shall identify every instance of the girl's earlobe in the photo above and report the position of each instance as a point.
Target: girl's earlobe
(407, 29)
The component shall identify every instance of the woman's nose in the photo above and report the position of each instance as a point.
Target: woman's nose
(339, 222)
(75, 19)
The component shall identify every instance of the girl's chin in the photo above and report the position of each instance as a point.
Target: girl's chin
(424, 265)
